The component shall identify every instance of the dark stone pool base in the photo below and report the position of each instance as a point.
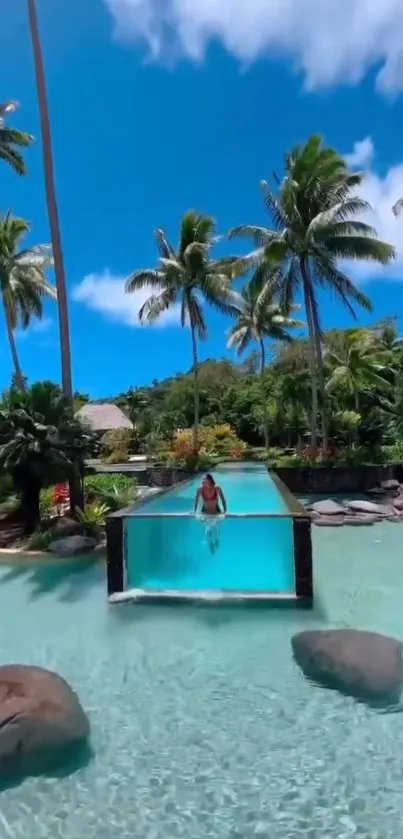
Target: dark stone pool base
(329, 480)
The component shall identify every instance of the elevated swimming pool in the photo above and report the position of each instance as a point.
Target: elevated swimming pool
(261, 550)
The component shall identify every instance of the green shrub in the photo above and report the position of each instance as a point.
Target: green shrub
(93, 518)
(104, 482)
(6, 488)
(39, 540)
(46, 504)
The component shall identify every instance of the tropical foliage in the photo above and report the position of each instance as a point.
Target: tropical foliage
(23, 282)
(317, 226)
(40, 447)
(12, 141)
(261, 317)
(185, 277)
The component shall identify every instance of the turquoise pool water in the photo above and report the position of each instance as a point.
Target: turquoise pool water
(202, 726)
(248, 488)
(167, 548)
(174, 553)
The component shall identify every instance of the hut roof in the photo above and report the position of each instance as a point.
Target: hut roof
(104, 417)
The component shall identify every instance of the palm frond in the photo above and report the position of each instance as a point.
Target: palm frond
(146, 277)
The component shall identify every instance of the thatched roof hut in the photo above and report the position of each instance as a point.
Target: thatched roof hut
(104, 417)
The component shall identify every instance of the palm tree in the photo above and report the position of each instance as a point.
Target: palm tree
(358, 366)
(12, 140)
(23, 282)
(187, 277)
(314, 212)
(52, 203)
(258, 318)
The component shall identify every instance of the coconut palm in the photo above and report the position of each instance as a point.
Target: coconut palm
(258, 318)
(357, 366)
(187, 277)
(23, 283)
(12, 140)
(52, 203)
(314, 212)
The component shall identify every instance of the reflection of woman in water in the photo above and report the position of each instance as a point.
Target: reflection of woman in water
(213, 498)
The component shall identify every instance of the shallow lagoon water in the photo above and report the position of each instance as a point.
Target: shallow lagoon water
(202, 725)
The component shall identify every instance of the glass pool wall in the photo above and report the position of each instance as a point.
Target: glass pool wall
(262, 548)
(183, 553)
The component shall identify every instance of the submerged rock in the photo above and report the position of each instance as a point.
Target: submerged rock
(398, 502)
(40, 718)
(329, 521)
(361, 519)
(73, 545)
(328, 507)
(391, 484)
(370, 507)
(363, 664)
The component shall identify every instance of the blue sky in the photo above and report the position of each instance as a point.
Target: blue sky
(157, 108)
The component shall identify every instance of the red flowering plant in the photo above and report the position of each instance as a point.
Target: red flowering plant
(61, 497)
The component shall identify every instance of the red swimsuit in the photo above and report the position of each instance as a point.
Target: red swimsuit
(210, 498)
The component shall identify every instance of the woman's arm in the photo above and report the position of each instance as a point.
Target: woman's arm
(197, 500)
(222, 499)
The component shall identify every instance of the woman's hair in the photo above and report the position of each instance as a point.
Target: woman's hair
(210, 478)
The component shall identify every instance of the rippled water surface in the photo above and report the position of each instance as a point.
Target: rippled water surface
(202, 726)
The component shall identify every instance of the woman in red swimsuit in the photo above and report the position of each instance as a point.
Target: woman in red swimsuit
(211, 495)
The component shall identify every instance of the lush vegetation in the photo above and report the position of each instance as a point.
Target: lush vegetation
(363, 374)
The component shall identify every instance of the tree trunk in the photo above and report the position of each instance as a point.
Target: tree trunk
(19, 378)
(30, 496)
(262, 371)
(51, 201)
(195, 444)
(53, 219)
(320, 369)
(311, 354)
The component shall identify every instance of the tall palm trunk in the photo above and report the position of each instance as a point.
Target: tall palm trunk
(19, 378)
(262, 371)
(320, 369)
(51, 202)
(76, 499)
(195, 434)
(311, 353)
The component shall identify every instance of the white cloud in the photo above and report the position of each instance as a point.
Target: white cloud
(331, 41)
(43, 325)
(362, 154)
(105, 293)
(381, 193)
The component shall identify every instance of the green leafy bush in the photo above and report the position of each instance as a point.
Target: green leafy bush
(93, 518)
(46, 503)
(6, 487)
(39, 540)
(104, 482)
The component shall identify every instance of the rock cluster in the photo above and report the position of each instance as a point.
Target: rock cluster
(388, 506)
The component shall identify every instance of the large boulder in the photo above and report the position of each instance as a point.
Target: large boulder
(41, 719)
(327, 507)
(370, 507)
(73, 545)
(362, 664)
(65, 526)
